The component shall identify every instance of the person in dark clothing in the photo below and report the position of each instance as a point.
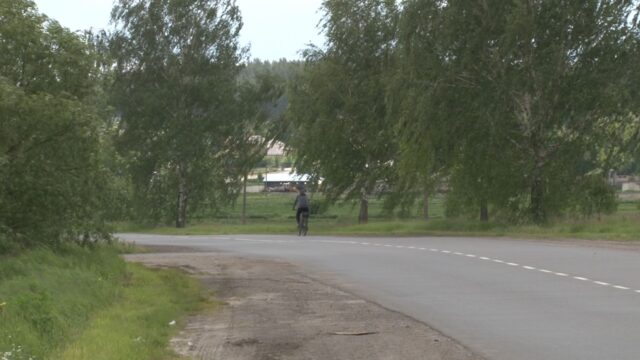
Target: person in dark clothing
(301, 204)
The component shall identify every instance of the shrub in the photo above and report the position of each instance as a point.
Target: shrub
(593, 196)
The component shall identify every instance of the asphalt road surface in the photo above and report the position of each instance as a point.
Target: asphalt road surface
(504, 299)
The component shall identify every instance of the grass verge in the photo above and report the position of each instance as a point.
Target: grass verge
(271, 213)
(621, 228)
(139, 325)
(617, 227)
(76, 303)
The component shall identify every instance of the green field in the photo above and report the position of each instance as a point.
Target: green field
(276, 206)
(77, 303)
(273, 213)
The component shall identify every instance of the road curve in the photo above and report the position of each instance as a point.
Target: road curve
(504, 299)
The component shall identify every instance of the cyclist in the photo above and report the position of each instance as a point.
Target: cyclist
(302, 203)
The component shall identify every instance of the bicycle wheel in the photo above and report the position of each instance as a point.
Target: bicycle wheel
(305, 224)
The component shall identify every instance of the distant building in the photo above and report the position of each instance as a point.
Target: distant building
(276, 149)
(631, 186)
(624, 182)
(284, 181)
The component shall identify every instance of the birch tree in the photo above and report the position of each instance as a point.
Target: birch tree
(338, 105)
(176, 93)
(517, 91)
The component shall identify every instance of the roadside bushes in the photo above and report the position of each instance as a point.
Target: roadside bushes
(54, 179)
(594, 197)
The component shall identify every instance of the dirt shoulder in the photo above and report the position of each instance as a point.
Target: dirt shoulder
(274, 310)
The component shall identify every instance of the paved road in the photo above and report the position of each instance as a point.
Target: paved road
(504, 299)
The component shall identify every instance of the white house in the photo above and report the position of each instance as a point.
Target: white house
(283, 181)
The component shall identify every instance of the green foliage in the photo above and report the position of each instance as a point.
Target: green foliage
(286, 70)
(186, 116)
(280, 74)
(338, 106)
(54, 183)
(519, 108)
(52, 176)
(618, 144)
(39, 55)
(593, 196)
(510, 98)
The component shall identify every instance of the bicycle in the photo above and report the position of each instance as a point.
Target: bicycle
(303, 226)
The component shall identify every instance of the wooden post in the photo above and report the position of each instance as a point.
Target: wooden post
(425, 206)
(363, 216)
(183, 197)
(484, 211)
(244, 200)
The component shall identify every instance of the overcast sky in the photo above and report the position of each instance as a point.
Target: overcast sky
(275, 28)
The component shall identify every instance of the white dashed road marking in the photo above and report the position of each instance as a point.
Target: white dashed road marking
(434, 250)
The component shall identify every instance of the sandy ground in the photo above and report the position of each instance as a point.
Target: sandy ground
(274, 310)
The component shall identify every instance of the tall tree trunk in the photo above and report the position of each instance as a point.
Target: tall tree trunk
(538, 213)
(244, 200)
(484, 211)
(425, 206)
(183, 198)
(363, 217)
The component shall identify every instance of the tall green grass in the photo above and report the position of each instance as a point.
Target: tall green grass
(50, 296)
(140, 323)
(53, 299)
